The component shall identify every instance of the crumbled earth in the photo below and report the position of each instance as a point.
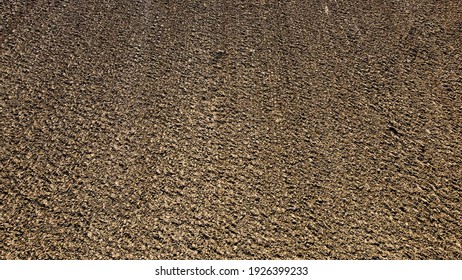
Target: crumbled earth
(327, 129)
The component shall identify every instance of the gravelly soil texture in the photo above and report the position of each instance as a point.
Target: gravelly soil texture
(231, 129)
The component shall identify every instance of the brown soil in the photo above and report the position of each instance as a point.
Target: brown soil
(231, 129)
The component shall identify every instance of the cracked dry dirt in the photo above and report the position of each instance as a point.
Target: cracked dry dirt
(231, 129)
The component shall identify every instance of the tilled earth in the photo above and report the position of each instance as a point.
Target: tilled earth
(231, 129)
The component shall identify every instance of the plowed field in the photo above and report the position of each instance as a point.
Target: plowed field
(231, 129)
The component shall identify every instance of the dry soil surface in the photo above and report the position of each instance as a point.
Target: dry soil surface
(231, 129)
